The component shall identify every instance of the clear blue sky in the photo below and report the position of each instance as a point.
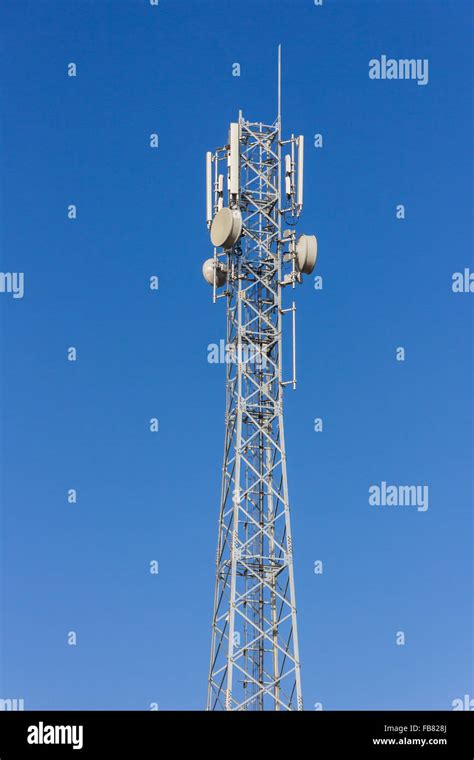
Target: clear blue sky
(84, 425)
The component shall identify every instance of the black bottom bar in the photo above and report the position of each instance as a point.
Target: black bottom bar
(161, 734)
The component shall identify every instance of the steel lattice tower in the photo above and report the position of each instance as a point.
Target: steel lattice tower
(254, 652)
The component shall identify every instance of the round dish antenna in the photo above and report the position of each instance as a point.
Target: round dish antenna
(209, 271)
(226, 227)
(306, 253)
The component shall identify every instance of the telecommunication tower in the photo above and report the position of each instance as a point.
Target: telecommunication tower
(254, 195)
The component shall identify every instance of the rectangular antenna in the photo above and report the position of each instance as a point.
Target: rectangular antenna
(220, 191)
(234, 158)
(208, 186)
(299, 192)
(288, 175)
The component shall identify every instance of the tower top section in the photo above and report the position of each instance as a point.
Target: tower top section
(257, 174)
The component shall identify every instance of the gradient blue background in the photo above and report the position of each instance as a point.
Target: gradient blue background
(84, 425)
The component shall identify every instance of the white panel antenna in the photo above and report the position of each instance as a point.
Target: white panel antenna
(299, 192)
(208, 187)
(220, 192)
(234, 159)
(288, 175)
